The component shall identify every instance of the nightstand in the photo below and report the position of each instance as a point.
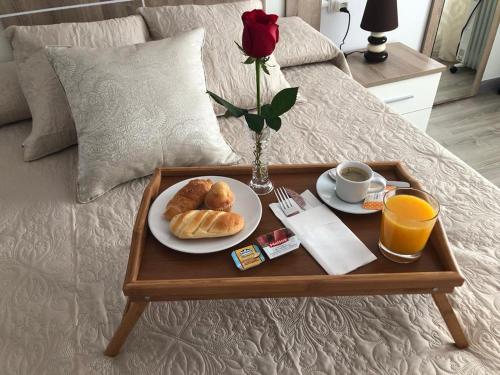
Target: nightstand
(407, 81)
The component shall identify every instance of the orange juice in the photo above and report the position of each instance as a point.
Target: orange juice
(407, 223)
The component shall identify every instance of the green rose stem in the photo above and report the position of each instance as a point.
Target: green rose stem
(258, 135)
(257, 79)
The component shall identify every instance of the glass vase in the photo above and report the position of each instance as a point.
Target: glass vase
(260, 182)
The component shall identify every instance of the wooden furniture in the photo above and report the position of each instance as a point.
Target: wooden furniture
(41, 12)
(431, 31)
(432, 26)
(465, 127)
(308, 10)
(407, 81)
(157, 273)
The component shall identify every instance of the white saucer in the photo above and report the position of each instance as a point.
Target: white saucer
(247, 204)
(325, 186)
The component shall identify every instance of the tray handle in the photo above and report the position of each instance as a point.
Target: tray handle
(140, 228)
(150, 193)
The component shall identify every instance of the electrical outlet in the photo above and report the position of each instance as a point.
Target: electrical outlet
(335, 5)
(340, 4)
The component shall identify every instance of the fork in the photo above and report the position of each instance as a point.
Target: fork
(285, 202)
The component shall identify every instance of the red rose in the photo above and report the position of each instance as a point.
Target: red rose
(260, 33)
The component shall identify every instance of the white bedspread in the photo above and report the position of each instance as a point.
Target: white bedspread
(62, 265)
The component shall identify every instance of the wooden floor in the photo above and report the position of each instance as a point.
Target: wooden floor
(470, 128)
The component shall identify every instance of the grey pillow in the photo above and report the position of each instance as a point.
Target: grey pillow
(53, 128)
(13, 106)
(226, 75)
(300, 44)
(5, 49)
(137, 108)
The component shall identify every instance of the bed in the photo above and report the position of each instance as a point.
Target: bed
(62, 264)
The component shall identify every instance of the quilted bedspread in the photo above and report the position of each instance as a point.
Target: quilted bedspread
(62, 265)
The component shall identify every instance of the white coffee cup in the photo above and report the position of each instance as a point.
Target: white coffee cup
(356, 191)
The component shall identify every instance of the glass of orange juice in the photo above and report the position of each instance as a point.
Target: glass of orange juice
(408, 217)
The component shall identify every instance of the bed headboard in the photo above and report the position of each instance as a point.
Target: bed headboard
(42, 12)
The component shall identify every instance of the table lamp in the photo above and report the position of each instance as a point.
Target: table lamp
(379, 16)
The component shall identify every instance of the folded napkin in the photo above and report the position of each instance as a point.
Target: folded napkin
(329, 241)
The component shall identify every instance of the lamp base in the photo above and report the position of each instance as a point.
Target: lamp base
(376, 48)
(374, 57)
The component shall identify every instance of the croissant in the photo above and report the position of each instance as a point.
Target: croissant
(206, 224)
(220, 197)
(188, 198)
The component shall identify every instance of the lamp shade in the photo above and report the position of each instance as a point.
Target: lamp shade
(380, 15)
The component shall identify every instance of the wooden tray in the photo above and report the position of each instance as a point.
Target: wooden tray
(157, 273)
(163, 273)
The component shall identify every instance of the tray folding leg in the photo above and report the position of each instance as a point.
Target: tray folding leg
(451, 320)
(132, 313)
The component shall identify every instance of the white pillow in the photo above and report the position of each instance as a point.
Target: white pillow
(53, 128)
(226, 75)
(137, 108)
(13, 106)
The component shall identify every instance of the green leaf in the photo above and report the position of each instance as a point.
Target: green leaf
(240, 47)
(274, 123)
(232, 110)
(265, 111)
(284, 101)
(249, 60)
(255, 122)
(265, 69)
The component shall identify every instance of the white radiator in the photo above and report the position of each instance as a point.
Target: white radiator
(475, 34)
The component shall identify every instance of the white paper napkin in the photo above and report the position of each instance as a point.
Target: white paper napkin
(329, 241)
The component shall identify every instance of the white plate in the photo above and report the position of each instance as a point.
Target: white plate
(325, 186)
(246, 203)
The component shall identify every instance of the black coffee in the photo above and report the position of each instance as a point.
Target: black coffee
(354, 174)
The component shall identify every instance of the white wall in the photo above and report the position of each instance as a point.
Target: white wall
(275, 6)
(493, 66)
(412, 21)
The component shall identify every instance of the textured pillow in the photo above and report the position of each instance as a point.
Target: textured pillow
(5, 50)
(226, 75)
(13, 106)
(137, 108)
(53, 127)
(300, 44)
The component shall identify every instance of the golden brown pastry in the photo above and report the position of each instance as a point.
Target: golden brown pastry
(220, 197)
(188, 198)
(206, 224)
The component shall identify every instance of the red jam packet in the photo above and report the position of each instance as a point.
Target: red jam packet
(278, 242)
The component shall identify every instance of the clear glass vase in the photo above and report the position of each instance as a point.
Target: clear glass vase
(260, 182)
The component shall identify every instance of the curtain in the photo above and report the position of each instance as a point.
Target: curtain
(308, 10)
(453, 18)
(482, 24)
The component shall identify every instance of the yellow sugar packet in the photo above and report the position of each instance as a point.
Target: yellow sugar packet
(247, 257)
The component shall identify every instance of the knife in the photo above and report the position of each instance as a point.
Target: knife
(297, 198)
